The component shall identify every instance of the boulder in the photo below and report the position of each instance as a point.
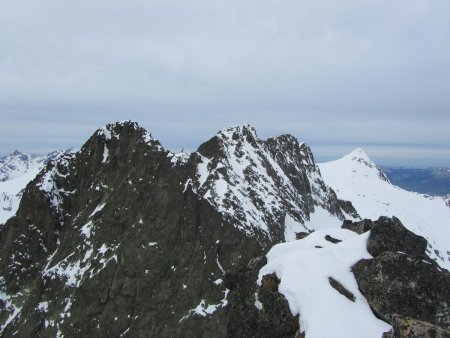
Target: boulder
(389, 234)
(332, 239)
(395, 283)
(301, 235)
(341, 289)
(411, 328)
(258, 312)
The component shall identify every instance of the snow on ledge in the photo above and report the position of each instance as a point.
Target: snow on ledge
(304, 269)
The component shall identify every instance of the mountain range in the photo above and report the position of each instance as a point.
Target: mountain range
(243, 237)
(16, 171)
(430, 181)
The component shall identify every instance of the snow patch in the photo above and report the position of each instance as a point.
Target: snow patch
(204, 310)
(105, 153)
(43, 307)
(97, 209)
(292, 226)
(86, 229)
(179, 158)
(304, 271)
(202, 170)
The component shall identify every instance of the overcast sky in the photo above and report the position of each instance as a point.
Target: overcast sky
(336, 74)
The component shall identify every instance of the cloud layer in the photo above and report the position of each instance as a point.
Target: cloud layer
(336, 74)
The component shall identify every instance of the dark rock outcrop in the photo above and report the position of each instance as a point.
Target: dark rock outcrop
(348, 208)
(126, 238)
(389, 234)
(395, 283)
(108, 241)
(262, 312)
(359, 227)
(400, 280)
(411, 328)
(341, 289)
(301, 235)
(332, 239)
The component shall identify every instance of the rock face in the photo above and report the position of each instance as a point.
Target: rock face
(341, 289)
(265, 188)
(258, 313)
(399, 281)
(358, 227)
(389, 234)
(410, 328)
(126, 238)
(395, 283)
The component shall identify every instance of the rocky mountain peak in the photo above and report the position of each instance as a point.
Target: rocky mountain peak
(20, 154)
(14, 165)
(114, 130)
(115, 141)
(230, 140)
(121, 226)
(125, 129)
(260, 186)
(360, 156)
(240, 132)
(287, 146)
(286, 139)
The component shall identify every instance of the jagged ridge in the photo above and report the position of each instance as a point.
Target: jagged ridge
(126, 229)
(263, 187)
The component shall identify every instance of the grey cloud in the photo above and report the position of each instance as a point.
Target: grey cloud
(330, 72)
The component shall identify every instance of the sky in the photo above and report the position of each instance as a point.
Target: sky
(335, 74)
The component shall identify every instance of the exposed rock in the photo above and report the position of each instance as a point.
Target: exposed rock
(358, 227)
(341, 289)
(108, 241)
(411, 328)
(126, 237)
(257, 185)
(401, 285)
(396, 283)
(254, 312)
(389, 234)
(301, 235)
(348, 208)
(332, 239)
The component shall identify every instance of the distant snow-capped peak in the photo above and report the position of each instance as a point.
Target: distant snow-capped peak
(16, 171)
(360, 156)
(16, 164)
(356, 178)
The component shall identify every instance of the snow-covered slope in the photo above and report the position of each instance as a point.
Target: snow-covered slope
(305, 267)
(357, 179)
(16, 170)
